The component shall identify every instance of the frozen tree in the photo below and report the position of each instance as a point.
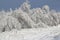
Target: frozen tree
(23, 18)
(26, 6)
(8, 23)
(45, 9)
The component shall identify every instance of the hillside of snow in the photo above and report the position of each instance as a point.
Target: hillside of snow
(25, 23)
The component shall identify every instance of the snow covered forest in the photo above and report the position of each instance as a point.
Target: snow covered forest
(25, 23)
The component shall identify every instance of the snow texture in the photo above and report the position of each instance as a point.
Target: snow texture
(25, 23)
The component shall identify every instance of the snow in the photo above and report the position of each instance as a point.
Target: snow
(25, 23)
(31, 34)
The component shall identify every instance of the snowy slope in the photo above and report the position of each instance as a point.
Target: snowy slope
(31, 34)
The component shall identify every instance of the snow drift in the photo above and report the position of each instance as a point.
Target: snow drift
(25, 23)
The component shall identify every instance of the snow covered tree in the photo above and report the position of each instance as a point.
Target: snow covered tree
(45, 9)
(8, 23)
